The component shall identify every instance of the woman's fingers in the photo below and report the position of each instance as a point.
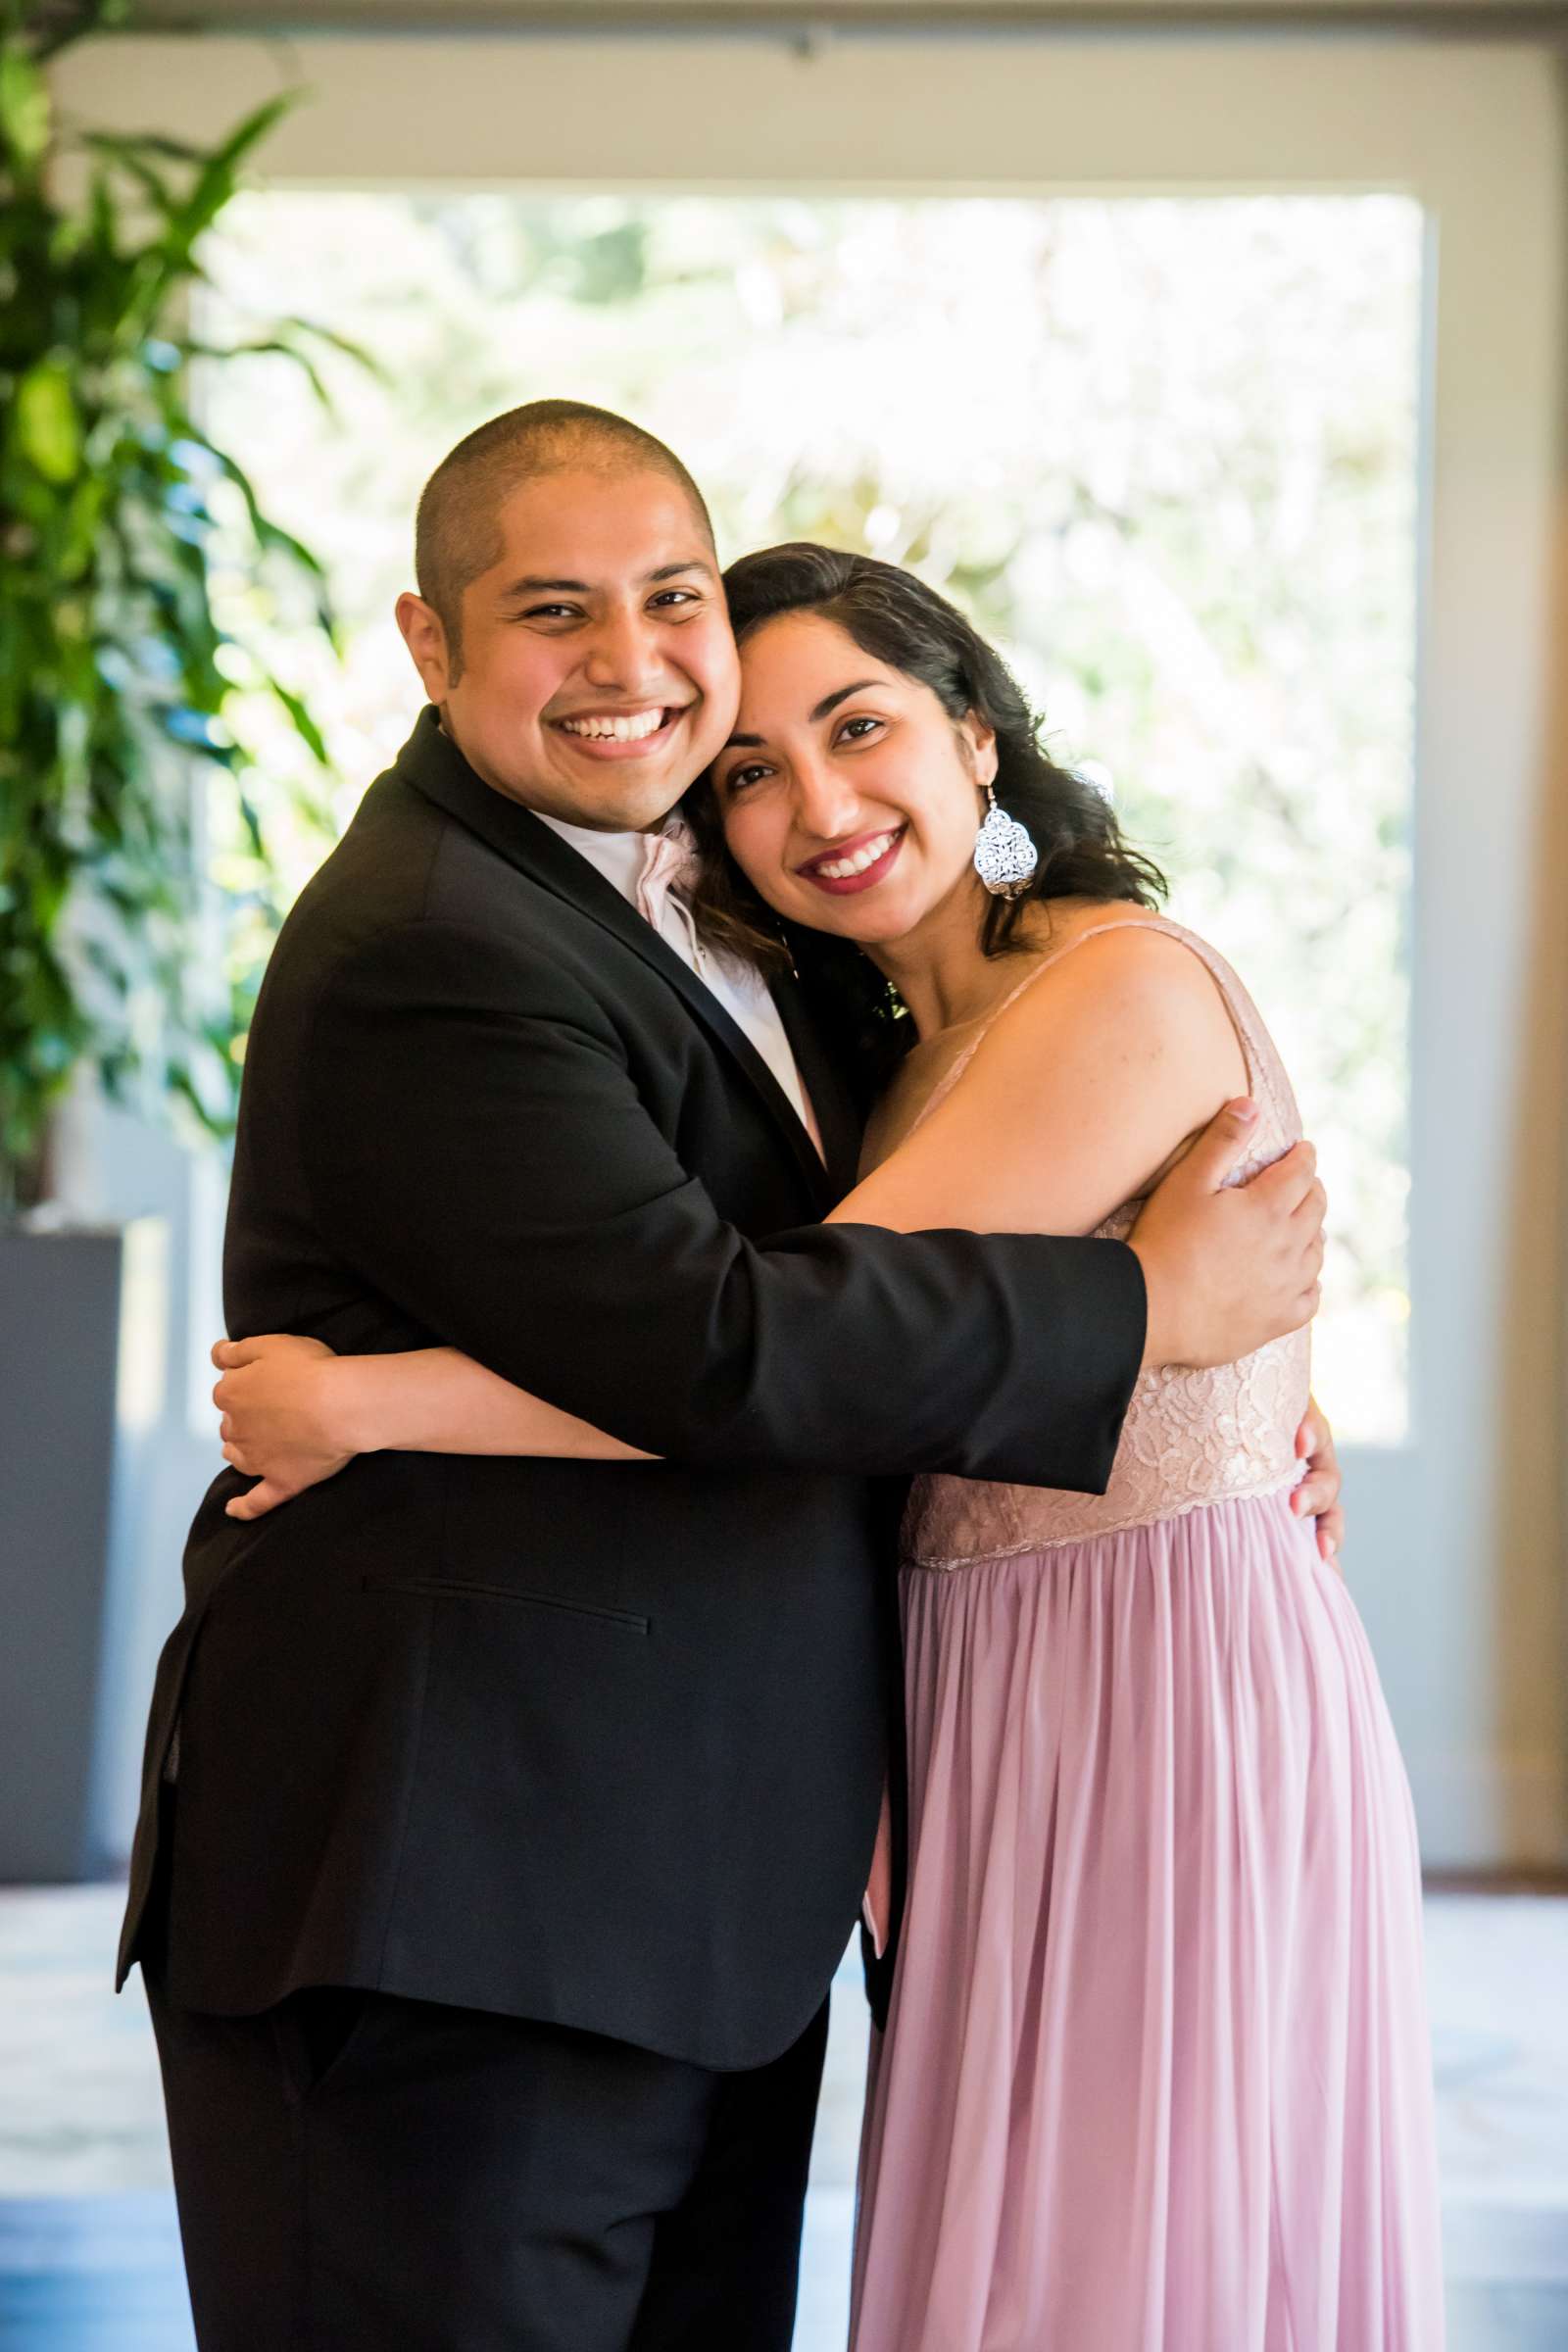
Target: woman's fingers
(1330, 1536)
(263, 1498)
(230, 1355)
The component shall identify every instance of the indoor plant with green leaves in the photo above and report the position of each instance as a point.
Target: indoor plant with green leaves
(120, 780)
(116, 765)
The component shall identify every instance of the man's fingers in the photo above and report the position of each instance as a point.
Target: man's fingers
(1305, 1308)
(1293, 1179)
(1313, 1207)
(1307, 1250)
(1226, 1139)
(1294, 1176)
(1314, 1496)
(1224, 1142)
(1317, 1498)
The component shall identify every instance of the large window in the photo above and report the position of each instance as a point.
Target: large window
(1166, 449)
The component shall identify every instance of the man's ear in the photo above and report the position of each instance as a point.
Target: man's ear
(427, 640)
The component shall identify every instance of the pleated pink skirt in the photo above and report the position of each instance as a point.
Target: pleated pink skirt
(1156, 2076)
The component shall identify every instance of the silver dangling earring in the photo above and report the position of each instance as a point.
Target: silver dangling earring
(1005, 856)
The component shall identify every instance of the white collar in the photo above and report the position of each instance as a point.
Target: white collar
(618, 856)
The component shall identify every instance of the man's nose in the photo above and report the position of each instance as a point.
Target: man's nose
(624, 656)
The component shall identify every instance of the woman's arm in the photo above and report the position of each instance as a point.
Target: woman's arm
(1081, 1097)
(294, 1413)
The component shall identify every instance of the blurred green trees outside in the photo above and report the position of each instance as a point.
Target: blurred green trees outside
(1166, 449)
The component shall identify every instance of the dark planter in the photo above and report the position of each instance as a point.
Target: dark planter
(81, 1327)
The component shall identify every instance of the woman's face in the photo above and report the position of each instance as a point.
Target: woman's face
(849, 799)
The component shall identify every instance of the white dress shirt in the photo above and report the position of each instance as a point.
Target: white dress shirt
(647, 869)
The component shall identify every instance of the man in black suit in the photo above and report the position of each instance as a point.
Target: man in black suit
(505, 1819)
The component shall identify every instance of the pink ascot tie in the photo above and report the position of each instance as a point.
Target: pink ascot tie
(670, 863)
(663, 892)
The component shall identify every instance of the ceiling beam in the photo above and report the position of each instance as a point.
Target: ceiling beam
(810, 21)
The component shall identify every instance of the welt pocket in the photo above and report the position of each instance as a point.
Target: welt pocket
(466, 1588)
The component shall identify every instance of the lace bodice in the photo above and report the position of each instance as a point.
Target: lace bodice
(1190, 1437)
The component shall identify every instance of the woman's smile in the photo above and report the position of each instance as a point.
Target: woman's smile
(850, 795)
(860, 864)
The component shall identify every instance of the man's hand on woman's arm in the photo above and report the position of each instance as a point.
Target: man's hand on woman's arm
(1230, 1267)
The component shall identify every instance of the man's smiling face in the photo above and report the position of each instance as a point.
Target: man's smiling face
(597, 675)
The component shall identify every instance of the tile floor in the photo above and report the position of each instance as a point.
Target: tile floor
(89, 2255)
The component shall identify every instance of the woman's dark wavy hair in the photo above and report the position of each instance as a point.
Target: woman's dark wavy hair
(899, 620)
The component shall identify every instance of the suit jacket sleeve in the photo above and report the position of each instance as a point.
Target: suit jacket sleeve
(477, 1149)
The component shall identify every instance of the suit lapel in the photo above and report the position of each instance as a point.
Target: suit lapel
(433, 765)
(838, 1122)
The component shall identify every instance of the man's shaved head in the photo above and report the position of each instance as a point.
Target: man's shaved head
(457, 532)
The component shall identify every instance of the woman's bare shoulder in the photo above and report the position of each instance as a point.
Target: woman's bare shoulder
(1121, 971)
(1083, 1086)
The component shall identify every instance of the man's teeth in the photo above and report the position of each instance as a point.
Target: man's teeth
(838, 870)
(617, 730)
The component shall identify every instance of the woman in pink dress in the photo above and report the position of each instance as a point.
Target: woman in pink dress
(1156, 2073)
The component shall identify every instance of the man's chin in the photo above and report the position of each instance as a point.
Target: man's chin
(619, 806)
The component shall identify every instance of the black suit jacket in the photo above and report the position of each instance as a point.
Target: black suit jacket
(589, 1743)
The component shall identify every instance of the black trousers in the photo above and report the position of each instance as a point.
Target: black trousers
(354, 2169)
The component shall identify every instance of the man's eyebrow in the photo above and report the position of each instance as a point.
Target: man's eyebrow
(829, 701)
(534, 584)
(667, 571)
